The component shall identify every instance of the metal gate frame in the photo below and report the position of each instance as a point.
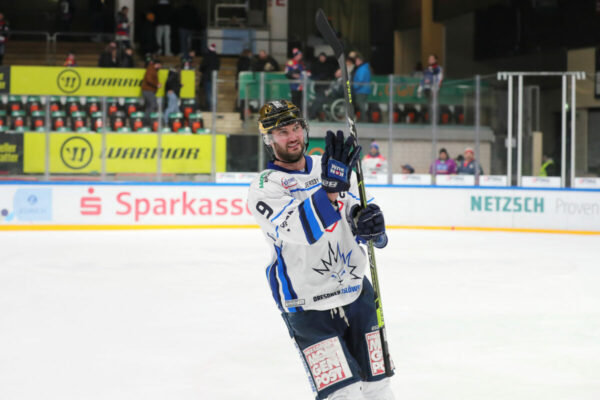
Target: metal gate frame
(508, 76)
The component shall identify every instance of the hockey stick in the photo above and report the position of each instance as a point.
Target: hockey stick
(338, 49)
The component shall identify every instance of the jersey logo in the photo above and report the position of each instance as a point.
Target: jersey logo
(331, 268)
(288, 182)
(375, 353)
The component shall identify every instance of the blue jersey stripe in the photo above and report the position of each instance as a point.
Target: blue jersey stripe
(312, 219)
(286, 285)
(306, 225)
(282, 210)
(274, 284)
(303, 189)
(358, 198)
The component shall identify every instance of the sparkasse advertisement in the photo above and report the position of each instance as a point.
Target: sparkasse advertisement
(125, 153)
(224, 205)
(83, 81)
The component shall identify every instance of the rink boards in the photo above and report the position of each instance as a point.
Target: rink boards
(84, 205)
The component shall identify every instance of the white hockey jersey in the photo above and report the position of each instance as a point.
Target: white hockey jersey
(317, 263)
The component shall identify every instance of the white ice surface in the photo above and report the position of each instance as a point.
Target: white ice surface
(187, 314)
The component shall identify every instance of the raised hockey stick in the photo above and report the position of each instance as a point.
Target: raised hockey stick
(338, 49)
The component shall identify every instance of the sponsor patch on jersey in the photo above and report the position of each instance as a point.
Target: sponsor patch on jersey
(327, 363)
(294, 303)
(312, 182)
(288, 182)
(375, 353)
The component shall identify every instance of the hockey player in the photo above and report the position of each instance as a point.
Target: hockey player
(309, 211)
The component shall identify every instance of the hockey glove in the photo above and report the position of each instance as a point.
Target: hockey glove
(337, 162)
(368, 224)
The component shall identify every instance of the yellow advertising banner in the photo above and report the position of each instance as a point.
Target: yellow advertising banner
(125, 153)
(81, 81)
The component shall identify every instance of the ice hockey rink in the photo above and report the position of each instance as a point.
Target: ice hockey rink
(187, 314)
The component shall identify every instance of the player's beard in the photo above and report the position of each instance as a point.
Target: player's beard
(289, 156)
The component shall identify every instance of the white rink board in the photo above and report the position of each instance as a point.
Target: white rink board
(213, 204)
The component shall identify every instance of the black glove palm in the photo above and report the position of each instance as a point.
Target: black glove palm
(337, 162)
(368, 224)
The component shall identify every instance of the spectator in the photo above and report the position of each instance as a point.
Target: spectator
(293, 70)
(243, 64)
(433, 76)
(97, 10)
(264, 63)
(126, 59)
(187, 61)
(65, 15)
(333, 92)
(467, 167)
(361, 86)
(350, 65)
(123, 28)
(150, 85)
(418, 71)
(3, 36)
(148, 44)
(322, 72)
(444, 165)
(548, 167)
(210, 63)
(374, 163)
(408, 169)
(109, 58)
(70, 60)
(188, 21)
(172, 90)
(164, 18)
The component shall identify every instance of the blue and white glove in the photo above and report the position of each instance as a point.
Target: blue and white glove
(368, 224)
(337, 162)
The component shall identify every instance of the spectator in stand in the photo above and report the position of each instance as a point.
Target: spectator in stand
(109, 58)
(126, 59)
(164, 18)
(150, 85)
(210, 63)
(264, 63)
(294, 70)
(374, 163)
(188, 21)
(361, 86)
(70, 60)
(244, 63)
(408, 169)
(444, 165)
(418, 71)
(187, 61)
(467, 167)
(433, 76)
(548, 167)
(148, 44)
(3, 36)
(65, 15)
(97, 9)
(123, 28)
(172, 90)
(322, 71)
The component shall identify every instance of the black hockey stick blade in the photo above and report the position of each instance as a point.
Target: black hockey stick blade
(328, 33)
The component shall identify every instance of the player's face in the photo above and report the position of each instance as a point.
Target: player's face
(288, 142)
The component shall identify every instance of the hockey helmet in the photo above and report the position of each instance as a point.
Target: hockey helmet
(278, 113)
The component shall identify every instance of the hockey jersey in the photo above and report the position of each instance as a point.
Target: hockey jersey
(316, 261)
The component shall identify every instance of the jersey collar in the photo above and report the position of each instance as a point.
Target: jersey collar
(309, 164)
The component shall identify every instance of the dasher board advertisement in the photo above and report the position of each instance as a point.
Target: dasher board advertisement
(195, 205)
(82, 81)
(125, 153)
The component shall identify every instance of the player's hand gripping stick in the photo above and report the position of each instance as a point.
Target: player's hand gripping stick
(368, 224)
(338, 161)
